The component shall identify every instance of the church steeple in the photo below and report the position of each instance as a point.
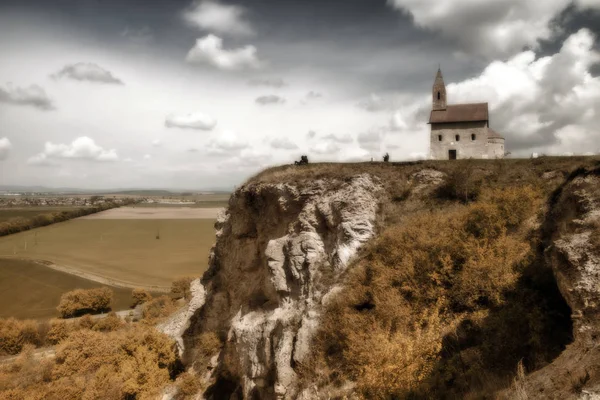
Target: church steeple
(439, 92)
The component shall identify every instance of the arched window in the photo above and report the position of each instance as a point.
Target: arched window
(458, 138)
(440, 138)
(439, 97)
(473, 137)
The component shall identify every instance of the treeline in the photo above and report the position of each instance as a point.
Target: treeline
(20, 224)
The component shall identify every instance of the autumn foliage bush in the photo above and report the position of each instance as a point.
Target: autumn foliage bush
(80, 301)
(134, 362)
(15, 334)
(140, 296)
(180, 288)
(430, 309)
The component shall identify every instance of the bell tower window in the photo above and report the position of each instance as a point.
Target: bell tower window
(439, 97)
(458, 138)
(440, 138)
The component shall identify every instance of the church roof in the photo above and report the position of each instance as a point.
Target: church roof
(460, 113)
(492, 134)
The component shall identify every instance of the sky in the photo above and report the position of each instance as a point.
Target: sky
(201, 95)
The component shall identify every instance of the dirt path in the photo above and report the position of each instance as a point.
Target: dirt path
(98, 278)
(44, 352)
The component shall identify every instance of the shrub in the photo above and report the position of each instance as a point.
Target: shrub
(188, 386)
(14, 334)
(140, 296)
(158, 308)
(80, 301)
(110, 323)
(59, 330)
(181, 288)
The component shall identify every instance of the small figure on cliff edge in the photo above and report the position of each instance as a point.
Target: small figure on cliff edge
(303, 161)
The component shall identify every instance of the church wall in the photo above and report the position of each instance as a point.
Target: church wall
(496, 148)
(465, 147)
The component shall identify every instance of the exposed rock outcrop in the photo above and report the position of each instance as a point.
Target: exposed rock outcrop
(280, 249)
(572, 232)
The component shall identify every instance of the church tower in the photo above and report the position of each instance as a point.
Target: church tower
(439, 92)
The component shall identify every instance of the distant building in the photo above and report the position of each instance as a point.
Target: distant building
(461, 130)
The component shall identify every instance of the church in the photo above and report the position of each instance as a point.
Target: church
(461, 131)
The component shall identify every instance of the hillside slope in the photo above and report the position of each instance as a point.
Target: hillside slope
(386, 281)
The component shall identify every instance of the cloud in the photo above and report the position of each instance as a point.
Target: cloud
(226, 143)
(371, 140)
(147, 156)
(209, 50)
(325, 148)
(311, 134)
(156, 143)
(548, 104)
(197, 120)
(376, 103)
(83, 148)
(268, 82)
(498, 28)
(33, 96)
(588, 4)
(5, 148)
(271, 99)
(313, 95)
(339, 138)
(87, 72)
(283, 143)
(220, 18)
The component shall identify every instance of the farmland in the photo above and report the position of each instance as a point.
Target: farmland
(124, 251)
(31, 290)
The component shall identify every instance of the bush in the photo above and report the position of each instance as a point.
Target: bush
(14, 334)
(188, 386)
(140, 296)
(158, 308)
(181, 288)
(80, 301)
(110, 323)
(131, 363)
(59, 330)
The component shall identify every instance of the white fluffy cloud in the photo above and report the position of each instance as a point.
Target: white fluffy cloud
(83, 148)
(220, 18)
(371, 140)
(585, 4)
(375, 103)
(32, 95)
(270, 99)
(5, 148)
(489, 28)
(209, 50)
(549, 104)
(87, 72)
(196, 120)
(226, 143)
(283, 143)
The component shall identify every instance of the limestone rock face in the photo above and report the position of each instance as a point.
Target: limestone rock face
(280, 250)
(572, 249)
(575, 256)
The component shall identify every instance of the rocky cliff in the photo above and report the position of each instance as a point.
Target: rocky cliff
(287, 239)
(280, 251)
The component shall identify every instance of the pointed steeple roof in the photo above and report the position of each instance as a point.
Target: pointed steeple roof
(439, 78)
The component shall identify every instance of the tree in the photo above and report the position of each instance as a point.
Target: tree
(386, 157)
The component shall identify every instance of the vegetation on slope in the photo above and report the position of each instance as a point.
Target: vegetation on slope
(449, 299)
